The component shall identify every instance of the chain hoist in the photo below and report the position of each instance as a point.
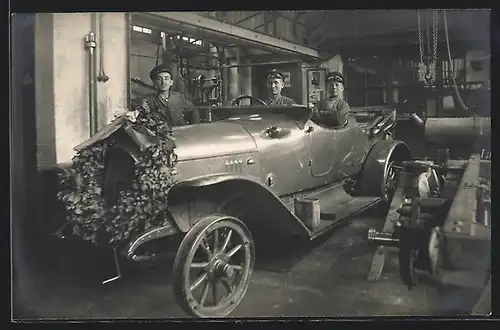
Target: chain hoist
(427, 72)
(451, 71)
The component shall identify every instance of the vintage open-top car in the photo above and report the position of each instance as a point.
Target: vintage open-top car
(258, 171)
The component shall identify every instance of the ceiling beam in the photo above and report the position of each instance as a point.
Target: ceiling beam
(200, 26)
(458, 39)
(248, 17)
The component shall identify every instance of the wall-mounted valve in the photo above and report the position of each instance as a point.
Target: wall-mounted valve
(90, 43)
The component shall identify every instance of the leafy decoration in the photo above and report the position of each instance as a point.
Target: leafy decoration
(137, 208)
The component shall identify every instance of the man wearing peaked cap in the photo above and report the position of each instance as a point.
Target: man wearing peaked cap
(275, 83)
(334, 111)
(174, 107)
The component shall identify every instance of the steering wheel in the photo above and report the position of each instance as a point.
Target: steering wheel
(237, 100)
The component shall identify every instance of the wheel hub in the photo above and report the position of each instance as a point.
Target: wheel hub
(219, 267)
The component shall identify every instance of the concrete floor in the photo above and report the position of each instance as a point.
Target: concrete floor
(324, 279)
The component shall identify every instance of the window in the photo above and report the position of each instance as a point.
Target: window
(141, 29)
(191, 40)
(365, 81)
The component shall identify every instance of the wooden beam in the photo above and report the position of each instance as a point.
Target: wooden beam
(202, 27)
(458, 43)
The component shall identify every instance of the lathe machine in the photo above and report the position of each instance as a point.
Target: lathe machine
(439, 218)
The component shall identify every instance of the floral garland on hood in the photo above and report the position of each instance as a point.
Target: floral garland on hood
(138, 207)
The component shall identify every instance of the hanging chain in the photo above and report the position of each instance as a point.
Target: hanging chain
(420, 38)
(428, 34)
(431, 73)
(435, 19)
(427, 72)
(451, 69)
(422, 68)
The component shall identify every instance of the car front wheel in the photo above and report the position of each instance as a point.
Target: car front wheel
(213, 266)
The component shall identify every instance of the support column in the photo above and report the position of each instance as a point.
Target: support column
(61, 80)
(233, 81)
(246, 80)
(169, 60)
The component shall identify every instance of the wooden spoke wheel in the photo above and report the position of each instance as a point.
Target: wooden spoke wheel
(213, 266)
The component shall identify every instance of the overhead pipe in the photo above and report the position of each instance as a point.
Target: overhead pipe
(90, 45)
(243, 65)
(261, 64)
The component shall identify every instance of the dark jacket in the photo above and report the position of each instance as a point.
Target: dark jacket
(177, 111)
(280, 100)
(333, 111)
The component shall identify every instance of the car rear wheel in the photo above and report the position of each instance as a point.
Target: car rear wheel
(213, 266)
(391, 179)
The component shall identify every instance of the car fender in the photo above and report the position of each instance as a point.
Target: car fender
(232, 194)
(370, 179)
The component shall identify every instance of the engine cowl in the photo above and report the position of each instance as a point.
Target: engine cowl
(212, 140)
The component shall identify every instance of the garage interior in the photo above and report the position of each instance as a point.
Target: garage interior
(215, 57)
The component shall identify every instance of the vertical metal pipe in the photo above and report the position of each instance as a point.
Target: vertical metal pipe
(90, 44)
(225, 82)
(128, 26)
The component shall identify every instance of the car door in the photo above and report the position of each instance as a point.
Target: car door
(351, 144)
(335, 150)
(322, 150)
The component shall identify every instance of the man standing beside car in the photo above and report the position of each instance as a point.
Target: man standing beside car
(275, 83)
(174, 107)
(334, 111)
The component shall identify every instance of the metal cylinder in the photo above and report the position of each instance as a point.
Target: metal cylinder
(381, 238)
(233, 81)
(453, 131)
(90, 45)
(417, 120)
(246, 80)
(214, 60)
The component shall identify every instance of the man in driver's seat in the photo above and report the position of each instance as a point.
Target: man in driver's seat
(275, 83)
(334, 111)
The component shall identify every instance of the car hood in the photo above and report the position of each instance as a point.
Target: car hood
(212, 140)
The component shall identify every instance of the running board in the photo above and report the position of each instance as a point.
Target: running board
(323, 210)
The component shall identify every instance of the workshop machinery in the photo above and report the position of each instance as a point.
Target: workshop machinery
(439, 217)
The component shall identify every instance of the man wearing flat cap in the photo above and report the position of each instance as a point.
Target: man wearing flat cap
(334, 111)
(275, 83)
(175, 108)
